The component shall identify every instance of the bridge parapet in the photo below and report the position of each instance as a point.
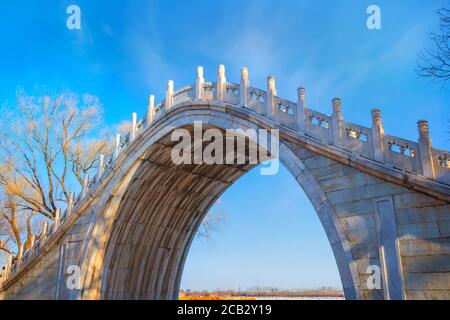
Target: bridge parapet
(412, 157)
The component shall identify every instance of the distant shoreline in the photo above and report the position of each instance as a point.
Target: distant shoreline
(270, 294)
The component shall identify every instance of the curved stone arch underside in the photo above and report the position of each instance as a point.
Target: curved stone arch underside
(138, 244)
(131, 231)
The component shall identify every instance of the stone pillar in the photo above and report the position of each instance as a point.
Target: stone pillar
(199, 82)
(133, 126)
(377, 135)
(43, 233)
(221, 80)
(245, 83)
(426, 158)
(301, 103)
(56, 219)
(84, 190)
(388, 246)
(271, 93)
(117, 146)
(150, 109)
(101, 160)
(169, 95)
(337, 122)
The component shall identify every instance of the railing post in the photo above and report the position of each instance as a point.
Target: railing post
(133, 125)
(337, 121)
(150, 109)
(271, 93)
(221, 80)
(245, 83)
(8, 265)
(117, 146)
(43, 233)
(301, 103)
(19, 256)
(377, 135)
(70, 203)
(199, 82)
(56, 219)
(84, 190)
(169, 95)
(425, 156)
(101, 160)
(32, 242)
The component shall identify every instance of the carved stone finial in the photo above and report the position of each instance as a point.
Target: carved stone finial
(271, 83)
(170, 85)
(424, 131)
(151, 101)
(337, 109)
(301, 93)
(376, 117)
(199, 72)
(244, 73)
(337, 105)
(221, 71)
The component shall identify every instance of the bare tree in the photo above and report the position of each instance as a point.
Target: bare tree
(211, 223)
(15, 225)
(434, 62)
(45, 148)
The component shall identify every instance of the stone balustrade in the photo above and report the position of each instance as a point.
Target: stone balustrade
(412, 157)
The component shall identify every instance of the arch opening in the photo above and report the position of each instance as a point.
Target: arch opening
(159, 213)
(270, 243)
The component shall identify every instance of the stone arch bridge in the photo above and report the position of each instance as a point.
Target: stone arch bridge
(383, 201)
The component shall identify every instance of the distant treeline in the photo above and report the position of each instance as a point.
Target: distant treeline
(266, 292)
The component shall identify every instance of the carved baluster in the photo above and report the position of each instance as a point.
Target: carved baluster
(221, 81)
(199, 84)
(377, 135)
(101, 160)
(169, 95)
(70, 203)
(245, 83)
(426, 158)
(150, 109)
(56, 219)
(8, 265)
(301, 104)
(117, 146)
(19, 256)
(337, 121)
(84, 190)
(270, 96)
(133, 126)
(32, 243)
(44, 233)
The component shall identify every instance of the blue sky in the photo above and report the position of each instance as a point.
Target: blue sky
(128, 50)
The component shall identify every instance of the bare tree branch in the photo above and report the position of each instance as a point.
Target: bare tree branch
(434, 62)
